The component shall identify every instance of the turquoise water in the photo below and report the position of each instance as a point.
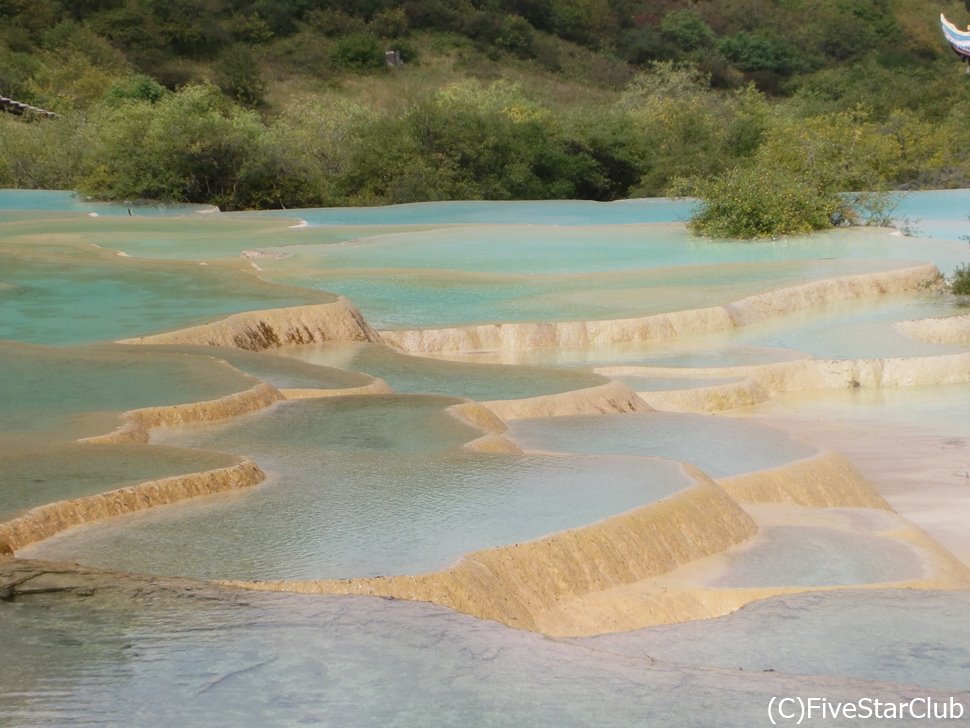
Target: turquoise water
(855, 330)
(419, 375)
(66, 201)
(943, 408)
(536, 249)
(38, 472)
(860, 329)
(717, 445)
(190, 237)
(362, 487)
(381, 485)
(69, 294)
(936, 213)
(70, 393)
(653, 353)
(408, 298)
(528, 212)
(281, 371)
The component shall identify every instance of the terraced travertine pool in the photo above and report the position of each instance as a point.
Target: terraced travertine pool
(583, 513)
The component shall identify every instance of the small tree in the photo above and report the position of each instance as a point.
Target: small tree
(358, 52)
(239, 77)
(808, 174)
(960, 283)
(761, 202)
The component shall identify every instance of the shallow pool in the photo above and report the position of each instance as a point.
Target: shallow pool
(69, 293)
(811, 556)
(77, 392)
(419, 375)
(363, 486)
(719, 446)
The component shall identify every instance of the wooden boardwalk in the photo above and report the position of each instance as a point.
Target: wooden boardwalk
(22, 109)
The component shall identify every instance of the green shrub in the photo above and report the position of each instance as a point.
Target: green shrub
(136, 88)
(761, 202)
(960, 283)
(238, 74)
(191, 146)
(759, 52)
(357, 52)
(686, 30)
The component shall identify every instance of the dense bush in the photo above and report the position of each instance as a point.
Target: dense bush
(960, 283)
(762, 202)
(193, 146)
(359, 52)
(806, 175)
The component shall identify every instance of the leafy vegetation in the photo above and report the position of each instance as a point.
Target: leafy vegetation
(960, 283)
(776, 125)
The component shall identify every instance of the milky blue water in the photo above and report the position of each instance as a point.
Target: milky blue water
(66, 201)
(362, 486)
(855, 330)
(717, 445)
(419, 375)
(70, 294)
(644, 383)
(74, 392)
(907, 636)
(935, 213)
(941, 408)
(371, 487)
(280, 371)
(528, 212)
(526, 249)
(36, 473)
(408, 298)
(810, 556)
(251, 659)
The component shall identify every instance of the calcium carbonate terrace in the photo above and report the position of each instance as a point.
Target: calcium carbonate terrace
(401, 402)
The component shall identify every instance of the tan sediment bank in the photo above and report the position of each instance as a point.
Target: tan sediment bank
(761, 382)
(484, 419)
(517, 584)
(378, 386)
(610, 397)
(582, 334)
(686, 594)
(46, 520)
(616, 574)
(136, 424)
(272, 328)
(943, 330)
(825, 480)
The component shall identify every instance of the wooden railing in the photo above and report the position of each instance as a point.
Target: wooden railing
(22, 109)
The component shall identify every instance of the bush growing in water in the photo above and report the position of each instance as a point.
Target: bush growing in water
(801, 178)
(757, 202)
(960, 285)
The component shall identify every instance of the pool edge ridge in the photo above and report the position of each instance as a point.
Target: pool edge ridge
(42, 522)
(517, 584)
(762, 382)
(610, 397)
(272, 328)
(520, 336)
(137, 424)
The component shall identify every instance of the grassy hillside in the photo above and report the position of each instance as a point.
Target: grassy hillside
(256, 103)
(63, 55)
